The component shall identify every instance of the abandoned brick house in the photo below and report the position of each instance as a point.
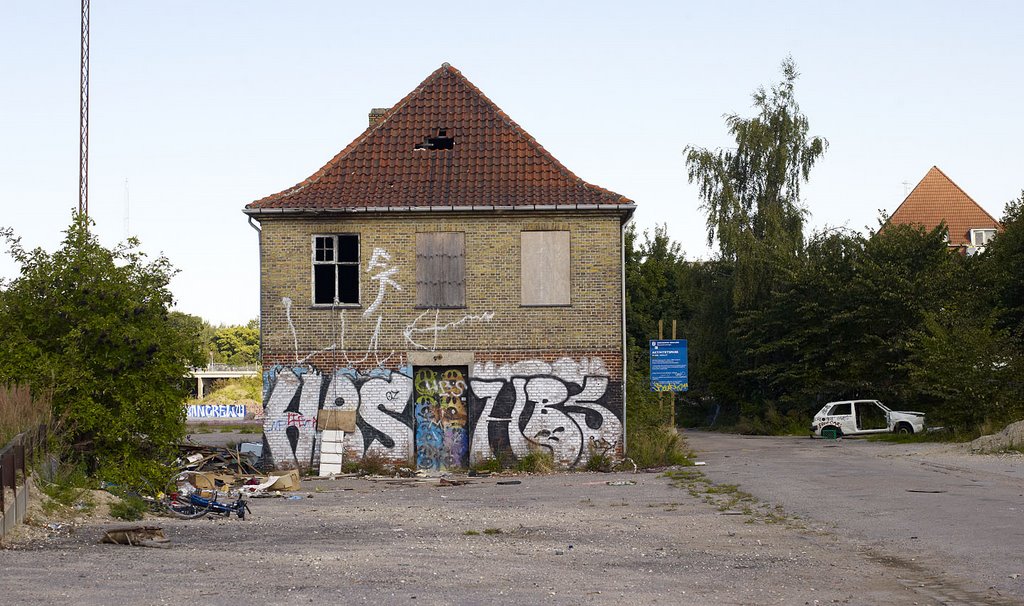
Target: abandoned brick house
(443, 291)
(969, 227)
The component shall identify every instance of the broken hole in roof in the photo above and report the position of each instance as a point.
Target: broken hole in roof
(441, 140)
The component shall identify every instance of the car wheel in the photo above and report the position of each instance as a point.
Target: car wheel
(904, 429)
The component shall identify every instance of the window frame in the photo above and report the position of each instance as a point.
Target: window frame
(420, 267)
(568, 302)
(982, 231)
(335, 263)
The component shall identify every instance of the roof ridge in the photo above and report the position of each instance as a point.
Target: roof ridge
(358, 165)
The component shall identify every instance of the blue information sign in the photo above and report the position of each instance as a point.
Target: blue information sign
(668, 365)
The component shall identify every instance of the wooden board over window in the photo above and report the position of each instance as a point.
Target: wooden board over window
(545, 268)
(441, 269)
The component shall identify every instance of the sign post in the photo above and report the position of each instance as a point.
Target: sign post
(669, 370)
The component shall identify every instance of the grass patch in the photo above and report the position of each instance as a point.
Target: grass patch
(471, 533)
(487, 466)
(726, 497)
(130, 509)
(492, 531)
(660, 446)
(536, 462)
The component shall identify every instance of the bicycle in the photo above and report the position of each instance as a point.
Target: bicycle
(184, 501)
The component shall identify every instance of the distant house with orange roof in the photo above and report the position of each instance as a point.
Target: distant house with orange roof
(936, 199)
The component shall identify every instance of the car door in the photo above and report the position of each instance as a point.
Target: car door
(841, 415)
(870, 417)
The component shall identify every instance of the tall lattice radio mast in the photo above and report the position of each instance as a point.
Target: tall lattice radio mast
(83, 146)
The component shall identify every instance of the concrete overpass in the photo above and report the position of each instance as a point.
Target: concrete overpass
(214, 372)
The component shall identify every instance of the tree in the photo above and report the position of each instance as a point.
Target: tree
(751, 194)
(237, 344)
(91, 326)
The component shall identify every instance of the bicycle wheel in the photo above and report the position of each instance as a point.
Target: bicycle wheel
(185, 509)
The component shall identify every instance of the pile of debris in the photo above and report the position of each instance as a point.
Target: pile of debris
(227, 472)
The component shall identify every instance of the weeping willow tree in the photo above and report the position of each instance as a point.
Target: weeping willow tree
(751, 193)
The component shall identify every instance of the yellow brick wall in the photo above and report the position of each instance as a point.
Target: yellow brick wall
(591, 323)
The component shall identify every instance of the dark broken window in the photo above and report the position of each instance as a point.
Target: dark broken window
(336, 269)
(440, 140)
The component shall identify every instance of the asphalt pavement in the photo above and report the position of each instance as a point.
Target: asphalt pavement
(954, 516)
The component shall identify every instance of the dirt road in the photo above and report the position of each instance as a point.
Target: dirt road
(949, 517)
(559, 539)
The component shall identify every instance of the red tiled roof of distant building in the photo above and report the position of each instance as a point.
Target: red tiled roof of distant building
(444, 145)
(935, 199)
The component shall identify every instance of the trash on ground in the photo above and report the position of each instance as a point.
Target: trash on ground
(621, 482)
(137, 536)
(447, 482)
(508, 482)
(699, 463)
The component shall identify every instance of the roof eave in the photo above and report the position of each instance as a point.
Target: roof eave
(624, 209)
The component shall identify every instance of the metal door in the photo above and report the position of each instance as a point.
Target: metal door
(442, 438)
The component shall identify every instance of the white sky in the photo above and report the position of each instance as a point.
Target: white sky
(203, 107)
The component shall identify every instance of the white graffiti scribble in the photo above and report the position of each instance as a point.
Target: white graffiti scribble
(379, 259)
(412, 330)
(288, 314)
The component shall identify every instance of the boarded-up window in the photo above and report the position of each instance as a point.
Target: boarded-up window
(336, 270)
(545, 267)
(441, 269)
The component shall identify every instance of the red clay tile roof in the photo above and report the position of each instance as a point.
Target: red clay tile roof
(937, 198)
(493, 161)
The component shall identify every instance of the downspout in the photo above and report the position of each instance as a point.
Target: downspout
(259, 233)
(625, 352)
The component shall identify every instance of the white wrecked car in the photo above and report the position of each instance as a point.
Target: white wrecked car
(859, 417)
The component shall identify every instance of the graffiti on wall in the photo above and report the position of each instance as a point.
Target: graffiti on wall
(565, 408)
(441, 418)
(296, 395)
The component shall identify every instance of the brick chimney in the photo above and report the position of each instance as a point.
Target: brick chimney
(376, 114)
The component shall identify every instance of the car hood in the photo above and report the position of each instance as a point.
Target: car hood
(909, 413)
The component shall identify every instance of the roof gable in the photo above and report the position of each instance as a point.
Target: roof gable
(492, 161)
(937, 198)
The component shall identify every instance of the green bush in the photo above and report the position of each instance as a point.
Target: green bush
(536, 462)
(657, 447)
(129, 509)
(91, 326)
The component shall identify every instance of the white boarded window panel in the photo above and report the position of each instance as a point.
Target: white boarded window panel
(545, 267)
(441, 269)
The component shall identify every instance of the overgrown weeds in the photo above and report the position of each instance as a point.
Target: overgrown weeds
(659, 446)
(727, 497)
(536, 462)
(21, 411)
(372, 463)
(130, 509)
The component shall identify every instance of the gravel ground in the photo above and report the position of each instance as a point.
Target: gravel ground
(561, 539)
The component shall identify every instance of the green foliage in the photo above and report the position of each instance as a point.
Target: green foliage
(91, 326)
(236, 389)
(239, 345)
(966, 369)
(656, 446)
(536, 462)
(130, 508)
(487, 466)
(751, 193)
